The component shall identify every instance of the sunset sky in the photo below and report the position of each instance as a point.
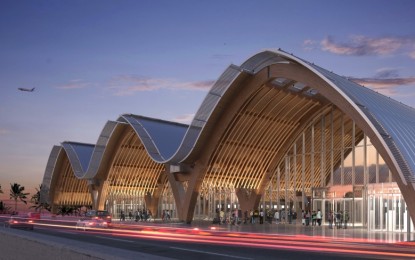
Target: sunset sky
(91, 61)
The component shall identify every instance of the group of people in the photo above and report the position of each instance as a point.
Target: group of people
(229, 217)
(339, 219)
(283, 216)
(313, 217)
(236, 216)
(166, 215)
(139, 215)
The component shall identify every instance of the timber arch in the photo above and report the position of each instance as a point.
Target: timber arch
(254, 116)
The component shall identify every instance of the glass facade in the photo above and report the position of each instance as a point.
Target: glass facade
(332, 167)
(316, 173)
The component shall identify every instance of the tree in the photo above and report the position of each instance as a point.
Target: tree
(38, 204)
(3, 207)
(16, 193)
(1, 191)
(66, 210)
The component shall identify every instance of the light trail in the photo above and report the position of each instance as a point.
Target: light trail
(304, 246)
(350, 246)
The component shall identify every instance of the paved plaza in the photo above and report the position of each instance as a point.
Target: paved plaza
(357, 233)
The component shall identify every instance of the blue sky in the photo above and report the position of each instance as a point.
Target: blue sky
(92, 61)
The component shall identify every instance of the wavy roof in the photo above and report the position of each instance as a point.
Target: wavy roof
(167, 142)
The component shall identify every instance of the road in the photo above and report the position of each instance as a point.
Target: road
(187, 243)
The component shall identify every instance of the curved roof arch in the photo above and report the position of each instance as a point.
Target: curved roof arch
(391, 122)
(60, 185)
(161, 138)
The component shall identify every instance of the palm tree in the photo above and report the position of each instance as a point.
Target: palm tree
(3, 207)
(38, 204)
(16, 193)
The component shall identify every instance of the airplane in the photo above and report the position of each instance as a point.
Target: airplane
(26, 89)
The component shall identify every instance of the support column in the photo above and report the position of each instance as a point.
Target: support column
(152, 200)
(98, 190)
(248, 199)
(185, 182)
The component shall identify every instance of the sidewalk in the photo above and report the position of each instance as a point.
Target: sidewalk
(295, 229)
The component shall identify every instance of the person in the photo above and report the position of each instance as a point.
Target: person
(330, 219)
(122, 218)
(246, 216)
(130, 215)
(277, 217)
(168, 215)
(137, 215)
(307, 218)
(251, 213)
(303, 217)
(313, 218)
(163, 216)
(269, 216)
(227, 217)
(222, 217)
(345, 219)
(256, 215)
(338, 219)
(318, 217)
(149, 215)
(283, 216)
(261, 217)
(236, 216)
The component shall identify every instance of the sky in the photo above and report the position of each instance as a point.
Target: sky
(92, 61)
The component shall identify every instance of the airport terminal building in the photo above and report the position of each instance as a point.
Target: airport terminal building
(275, 133)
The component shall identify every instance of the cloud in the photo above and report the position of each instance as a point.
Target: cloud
(386, 86)
(387, 73)
(309, 45)
(4, 131)
(185, 119)
(126, 85)
(75, 84)
(361, 46)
